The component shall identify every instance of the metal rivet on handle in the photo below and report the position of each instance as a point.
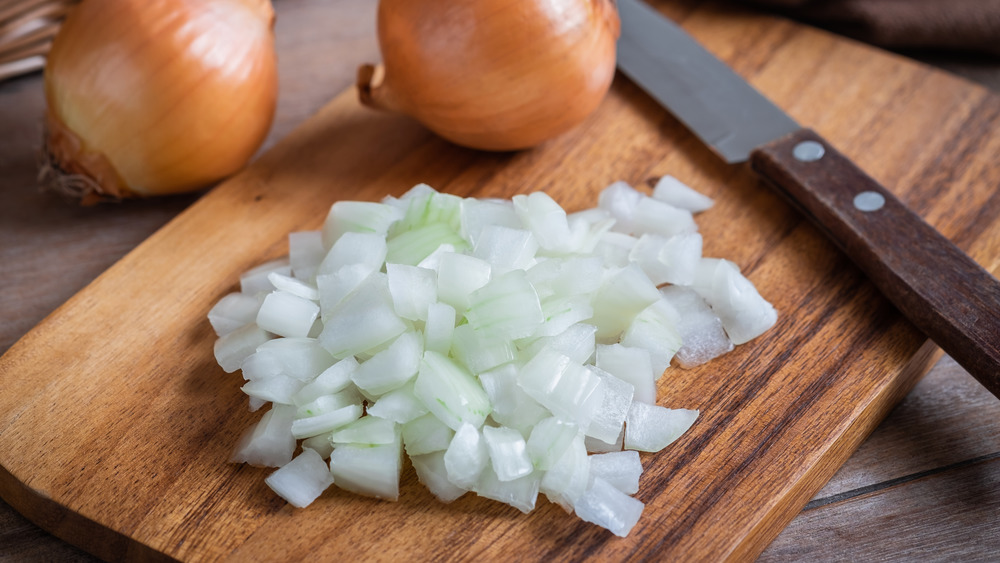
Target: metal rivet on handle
(808, 151)
(869, 201)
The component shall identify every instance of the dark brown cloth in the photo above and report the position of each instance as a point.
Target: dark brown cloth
(968, 25)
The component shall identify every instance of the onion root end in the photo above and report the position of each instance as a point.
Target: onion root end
(68, 170)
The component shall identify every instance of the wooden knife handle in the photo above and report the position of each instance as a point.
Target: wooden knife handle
(939, 288)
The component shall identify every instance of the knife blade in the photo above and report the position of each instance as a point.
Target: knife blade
(945, 293)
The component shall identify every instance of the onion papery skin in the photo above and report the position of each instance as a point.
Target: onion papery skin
(493, 74)
(155, 97)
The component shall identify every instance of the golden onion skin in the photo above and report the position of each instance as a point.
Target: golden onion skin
(153, 97)
(493, 74)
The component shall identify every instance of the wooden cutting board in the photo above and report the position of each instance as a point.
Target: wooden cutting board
(116, 424)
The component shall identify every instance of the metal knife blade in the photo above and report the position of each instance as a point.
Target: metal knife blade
(932, 282)
(713, 102)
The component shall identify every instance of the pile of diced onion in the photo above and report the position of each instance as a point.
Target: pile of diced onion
(506, 347)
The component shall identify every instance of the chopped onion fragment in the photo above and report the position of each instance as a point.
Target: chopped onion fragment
(609, 508)
(301, 480)
(621, 469)
(650, 428)
(508, 453)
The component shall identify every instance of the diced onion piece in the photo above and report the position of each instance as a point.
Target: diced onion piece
(353, 258)
(269, 442)
(466, 457)
(650, 428)
(744, 313)
(301, 480)
(546, 220)
(646, 253)
(332, 380)
(567, 478)
(329, 403)
(255, 280)
(655, 330)
(313, 425)
(358, 216)
(609, 508)
(559, 313)
(620, 200)
(614, 249)
(654, 216)
(563, 386)
(668, 259)
(699, 327)
(367, 250)
(433, 260)
(549, 440)
(412, 247)
(413, 290)
(364, 320)
(587, 228)
(403, 202)
(301, 358)
(236, 346)
(277, 389)
(632, 365)
(294, 286)
(577, 342)
(620, 469)
(681, 254)
(234, 311)
(480, 352)
(595, 445)
(399, 405)
(621, 297)
(426, 434)
(255, 404)
(505, 249)
(334, 288)
(287, 314)
(508, 453)
(477, 214)
(565, 277)
(674, 192)
(439, 330)
(607, 422)
(506, 307)
(520, 493)
(458, 276)
(369, 470)
(431, 472)
(319, 443)
(429, 207)
(367, 430)
(450, 392)
(511, 405)
(390, 368)
(261, 366)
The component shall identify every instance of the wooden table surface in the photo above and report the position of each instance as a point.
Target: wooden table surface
(924, 486)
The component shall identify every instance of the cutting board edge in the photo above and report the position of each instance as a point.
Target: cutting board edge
(817, 475)
(71, 526)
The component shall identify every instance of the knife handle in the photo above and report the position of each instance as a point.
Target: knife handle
(936, 286)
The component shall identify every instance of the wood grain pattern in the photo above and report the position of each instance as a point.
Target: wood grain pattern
(919, 488)
(941, 290)
(833, 370)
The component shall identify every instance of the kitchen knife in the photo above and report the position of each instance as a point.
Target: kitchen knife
(936, 286)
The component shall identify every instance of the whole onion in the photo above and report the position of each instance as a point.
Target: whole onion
(150, 97)
(493, 74)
